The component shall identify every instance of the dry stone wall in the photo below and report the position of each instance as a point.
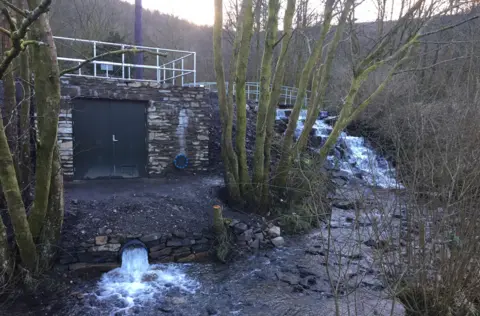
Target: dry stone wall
(178, 120)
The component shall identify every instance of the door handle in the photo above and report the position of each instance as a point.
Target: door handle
(113, 138)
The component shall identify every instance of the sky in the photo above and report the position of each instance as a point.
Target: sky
(201, 11)
(196, 11)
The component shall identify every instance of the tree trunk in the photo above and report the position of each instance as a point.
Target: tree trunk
(266, 75)
(54, 219)
(241, 72)
(286, 155)
(276, 91)
(10, 118)
(16, 208)
(47, 96)
(25, 162)
(317, 99)
(5, 259)
(226, 111)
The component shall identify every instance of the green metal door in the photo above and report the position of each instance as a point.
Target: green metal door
(109, 139)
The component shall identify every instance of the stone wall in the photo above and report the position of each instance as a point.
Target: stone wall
(178, 119)
(102, 251)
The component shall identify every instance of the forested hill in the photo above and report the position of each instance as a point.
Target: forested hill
(113, 20)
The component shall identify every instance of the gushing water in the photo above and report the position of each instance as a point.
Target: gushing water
(137, 283)
(351, 154)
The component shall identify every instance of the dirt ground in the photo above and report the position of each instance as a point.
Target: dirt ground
(141, 206)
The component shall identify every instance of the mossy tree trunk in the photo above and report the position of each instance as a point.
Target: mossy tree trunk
(25, 162)
(264, 102)
(286, 152)
(277, 81)
(322, 80)
(241, 101)
(47, 96)
(16, 208)
(52, 228)
(226, 106)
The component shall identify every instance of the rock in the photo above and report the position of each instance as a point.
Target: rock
(201, 241)
(102, 230)
(255, 244)
(287, 278)
(245, 236)
(175, 243)
(308, 282)
(201, 248)
(108, 231)
(305, 271)
(372, 282)
(188, 242)
(178, 300)
(75, 202)
(233, 223)
(101, 240)
(259, 236)
(179, 233)
(278, 241)
(240, 228)
(160, 253)
(197, 236)
(166, 309)
(157, 248)
(315, 252)
(182, 252)
(102, 267)
(274, 231)
(107, 247)
(188, 258)
(345, 205)
(338, 182)
(151, 237)
(211, 310)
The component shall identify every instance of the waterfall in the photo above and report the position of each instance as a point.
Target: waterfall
(351, 154)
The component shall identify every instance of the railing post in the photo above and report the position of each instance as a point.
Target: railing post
(182, 72)
(173, 72)
(248, 92)
(94, 62)
(158, 65)
(123, 64)
(194, 69)
(79, 69)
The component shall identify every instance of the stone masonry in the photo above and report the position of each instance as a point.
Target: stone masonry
(178, 120)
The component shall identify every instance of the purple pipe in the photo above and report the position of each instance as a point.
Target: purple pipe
(138, 38)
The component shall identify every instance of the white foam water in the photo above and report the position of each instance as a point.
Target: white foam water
(357, 159)
(137, 282)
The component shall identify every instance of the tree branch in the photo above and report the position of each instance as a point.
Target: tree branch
(14, 8)
(447, 27)
(279, 40)
(114, 52)
(20, 33)
(434, 65)
(5, 31)
(10, 20)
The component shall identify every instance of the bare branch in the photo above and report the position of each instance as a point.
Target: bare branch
(18, 36)
(114, 52)
(448, 27)
(14, 8)
(279, 40)
(5, 31)
(10, 20)
(434, 65)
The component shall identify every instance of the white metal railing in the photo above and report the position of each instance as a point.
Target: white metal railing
(288, 95)
(178, 65)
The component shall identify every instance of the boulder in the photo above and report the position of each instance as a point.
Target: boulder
(274, 231)
(278, 241)
(245, 236)
(160, 253)
(240, 228)
(179, 233)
